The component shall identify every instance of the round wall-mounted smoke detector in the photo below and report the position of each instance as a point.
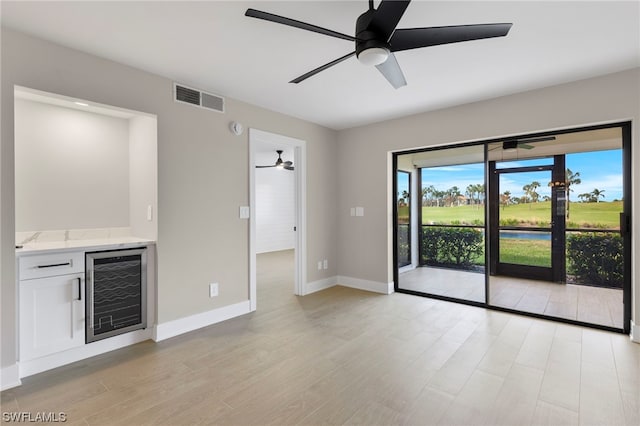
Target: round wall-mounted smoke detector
(236, 128)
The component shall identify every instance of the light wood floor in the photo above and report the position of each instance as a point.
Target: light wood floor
(344, 356)
(595, 305)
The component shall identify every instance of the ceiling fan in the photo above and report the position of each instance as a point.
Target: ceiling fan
(280, 164)
(512, 144)
(377, 38)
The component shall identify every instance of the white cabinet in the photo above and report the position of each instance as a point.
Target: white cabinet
(51, 308)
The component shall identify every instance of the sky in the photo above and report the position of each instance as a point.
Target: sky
(600, 169)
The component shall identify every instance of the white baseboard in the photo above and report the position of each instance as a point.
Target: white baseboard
(10, 377)
(635, 332)
(374, 286)
(184, 325)
(38, 365)
(314, 286)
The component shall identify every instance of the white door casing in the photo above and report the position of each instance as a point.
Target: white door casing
(258, 138)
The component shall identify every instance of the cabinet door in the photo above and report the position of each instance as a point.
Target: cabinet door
(51, 315)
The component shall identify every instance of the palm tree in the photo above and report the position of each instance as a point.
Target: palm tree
(505, 197)
(571, 179)
(527, 190)
(454, 194)
(406, 196)
(585, 197)
(532, 191)
(427, 194)
(480, 192)
(471, 192)
(597, 193)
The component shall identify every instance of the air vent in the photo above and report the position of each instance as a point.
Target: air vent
(198, 98)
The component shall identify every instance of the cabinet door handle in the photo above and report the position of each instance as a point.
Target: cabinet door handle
(79, 288)
(53, 265)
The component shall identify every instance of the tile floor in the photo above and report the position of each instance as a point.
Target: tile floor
(602, 306)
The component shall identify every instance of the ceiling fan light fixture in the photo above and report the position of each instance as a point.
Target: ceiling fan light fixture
(510, 146)
(373, 56)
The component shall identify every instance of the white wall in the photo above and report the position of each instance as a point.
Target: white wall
(275, 207)
(364, 158)
(203, 178)
(71, 168)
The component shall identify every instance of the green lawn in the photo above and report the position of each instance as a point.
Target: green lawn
(525, 252)
(582, 215)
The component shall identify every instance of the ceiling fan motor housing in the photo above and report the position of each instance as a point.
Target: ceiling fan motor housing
(367, 38)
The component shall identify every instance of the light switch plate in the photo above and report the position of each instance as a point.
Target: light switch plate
(244, 212)
(353, 211)
(213, 289)
(359, 211)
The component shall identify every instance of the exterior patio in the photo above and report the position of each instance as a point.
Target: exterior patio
(596, 305)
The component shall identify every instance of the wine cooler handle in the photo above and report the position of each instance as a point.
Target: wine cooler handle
(90, 304)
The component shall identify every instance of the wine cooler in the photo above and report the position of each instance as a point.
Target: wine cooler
(116, 292)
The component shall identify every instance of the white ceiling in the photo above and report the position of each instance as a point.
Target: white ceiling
(212, 46)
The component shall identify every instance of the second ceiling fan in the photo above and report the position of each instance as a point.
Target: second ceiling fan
(280, 163)
(377, 37)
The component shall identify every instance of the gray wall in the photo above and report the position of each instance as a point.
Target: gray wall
(364, 156)
(71, 168)
(143, 176)
(202, 177)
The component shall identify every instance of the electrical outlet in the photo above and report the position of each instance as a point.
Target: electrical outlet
(325, 264)
(319, 265)
(213, 289)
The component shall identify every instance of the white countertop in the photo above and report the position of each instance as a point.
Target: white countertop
(82, 245)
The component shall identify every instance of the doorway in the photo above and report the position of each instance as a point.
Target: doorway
(261, 141)
(511, 237)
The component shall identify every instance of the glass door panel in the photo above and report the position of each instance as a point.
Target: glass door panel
(524, 219)
(560, 249)
(450, 221)
(403, 200)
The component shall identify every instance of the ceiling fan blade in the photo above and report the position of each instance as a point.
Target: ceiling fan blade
(297, 24)
(289, 168)
(386, 17)
(525, 146)
(287, 163)
(322, 68)
(539, 139)
(264, 167)
(413, 38)
(392, 72)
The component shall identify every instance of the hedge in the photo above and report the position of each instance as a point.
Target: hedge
(450, 246)
(596, 258)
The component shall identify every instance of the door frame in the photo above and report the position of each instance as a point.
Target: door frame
(258, 138)
(557, 271)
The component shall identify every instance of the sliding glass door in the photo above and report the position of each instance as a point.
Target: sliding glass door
(556, 243)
